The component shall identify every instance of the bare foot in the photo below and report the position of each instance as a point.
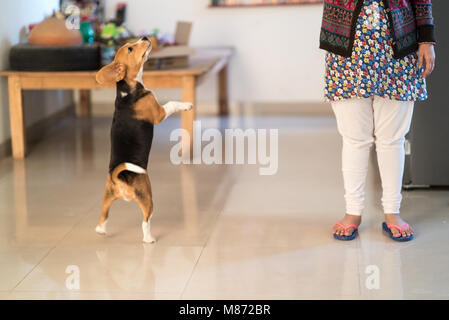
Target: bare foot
(347, 220)
(391, 218)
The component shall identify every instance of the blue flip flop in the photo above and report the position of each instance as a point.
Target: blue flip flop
(343, 237)
(387, 228)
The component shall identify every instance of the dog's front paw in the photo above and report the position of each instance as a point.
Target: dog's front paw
(186, 106)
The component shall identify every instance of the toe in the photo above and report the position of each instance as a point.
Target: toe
(336, 229)
(408, 232)
(395, 232)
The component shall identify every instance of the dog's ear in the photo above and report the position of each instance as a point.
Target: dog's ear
(111, 74)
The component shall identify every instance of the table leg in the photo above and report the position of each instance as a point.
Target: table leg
(85, 103)
(223, 91)
(16, 117)
(187, 117)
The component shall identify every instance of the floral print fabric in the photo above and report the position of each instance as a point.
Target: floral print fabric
(371, 69)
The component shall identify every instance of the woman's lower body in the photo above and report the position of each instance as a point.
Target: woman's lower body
(363, 123)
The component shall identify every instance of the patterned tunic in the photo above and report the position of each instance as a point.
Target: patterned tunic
(372, 70)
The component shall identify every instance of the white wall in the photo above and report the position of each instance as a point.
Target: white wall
(38, 104)
(277, 57)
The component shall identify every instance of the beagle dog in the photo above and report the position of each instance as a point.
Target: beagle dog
(136, 113)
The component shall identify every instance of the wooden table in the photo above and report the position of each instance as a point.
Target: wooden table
(203, 63)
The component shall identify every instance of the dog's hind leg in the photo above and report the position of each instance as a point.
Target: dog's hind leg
(108, 197)
(142, 189)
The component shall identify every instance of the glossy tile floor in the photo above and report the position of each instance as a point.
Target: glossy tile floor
(223, 231)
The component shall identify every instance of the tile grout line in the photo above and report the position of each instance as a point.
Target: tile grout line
(52, 248)
(201, 253)
(231, 182)
(191, 274)
(204, 247)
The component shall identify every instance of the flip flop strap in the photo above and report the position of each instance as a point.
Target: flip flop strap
(405, 226)
(346, 227)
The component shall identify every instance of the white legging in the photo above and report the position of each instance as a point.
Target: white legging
(362, 122)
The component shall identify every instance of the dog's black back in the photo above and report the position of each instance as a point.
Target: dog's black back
(130, 138)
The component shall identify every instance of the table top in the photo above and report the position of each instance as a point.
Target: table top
(200, 63)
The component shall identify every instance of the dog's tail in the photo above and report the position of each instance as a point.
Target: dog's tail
(125, 166)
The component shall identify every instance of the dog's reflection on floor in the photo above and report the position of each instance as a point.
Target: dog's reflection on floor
(134, 275)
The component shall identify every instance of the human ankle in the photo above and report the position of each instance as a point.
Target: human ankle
(392, 216)
(353, 218)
